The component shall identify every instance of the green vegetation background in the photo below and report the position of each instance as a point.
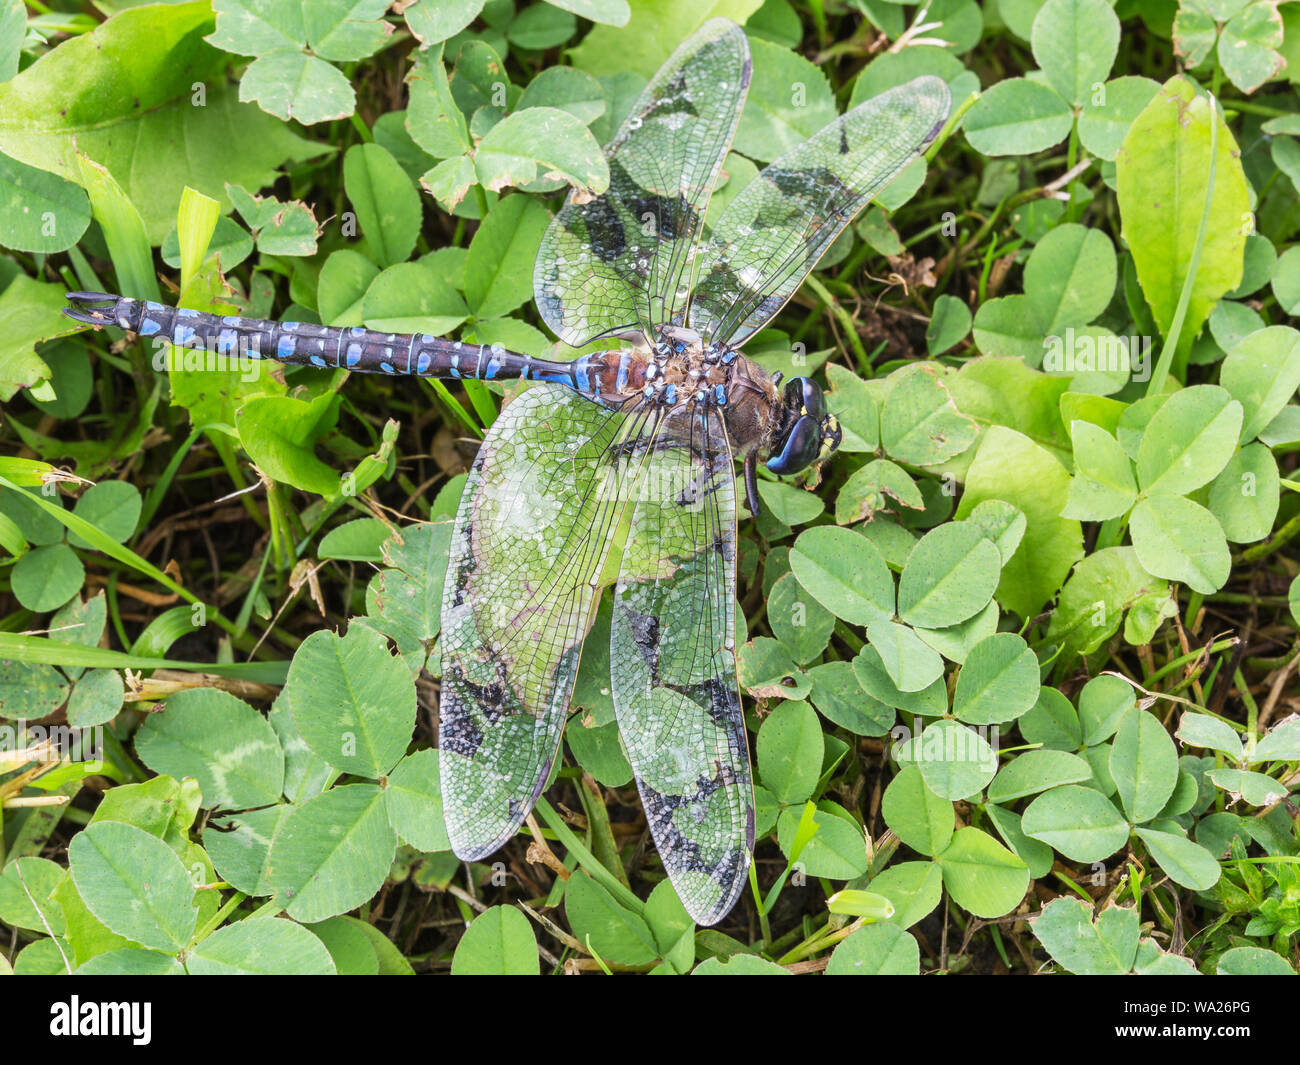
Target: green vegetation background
(1020, 671)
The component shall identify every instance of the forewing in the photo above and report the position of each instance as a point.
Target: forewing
(532, 533)
(622, 260)
(772, 234)
(673, 665)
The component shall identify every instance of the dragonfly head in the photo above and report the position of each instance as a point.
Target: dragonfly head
(808, 434)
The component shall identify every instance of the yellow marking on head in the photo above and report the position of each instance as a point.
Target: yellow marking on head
(831, 427)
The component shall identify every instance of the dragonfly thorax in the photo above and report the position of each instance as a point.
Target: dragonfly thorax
(678, 342)
(677, 369)
(680, 372)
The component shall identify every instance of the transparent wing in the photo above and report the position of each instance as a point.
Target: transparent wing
(531, 536)
(673, 665)
(776, 229)
(622, 259)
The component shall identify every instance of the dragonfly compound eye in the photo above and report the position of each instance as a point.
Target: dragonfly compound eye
(802, 396)
(799, 450)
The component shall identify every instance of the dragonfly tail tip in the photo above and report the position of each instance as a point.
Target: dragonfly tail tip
(90, 308)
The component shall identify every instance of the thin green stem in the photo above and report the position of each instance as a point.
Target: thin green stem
(1252, 710)
(453, 405)
(359, 124)
(1191, 656)
(1250, 107)
(818, 12)
(1284, 535)
(950, 126)
(823, 937)
(218, 918)
(586, 859)
(846, 322)
(1111, 532)
(764, 924)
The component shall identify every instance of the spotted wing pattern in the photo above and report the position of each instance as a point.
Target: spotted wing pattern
(534, 527)
(673, 664)
(623, 259)
(772, 234)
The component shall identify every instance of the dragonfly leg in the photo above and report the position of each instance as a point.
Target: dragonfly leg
(751, 482)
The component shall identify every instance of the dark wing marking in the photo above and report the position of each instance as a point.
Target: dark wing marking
(772, 234)
(532, 533)
(673, 665)
(623, 259)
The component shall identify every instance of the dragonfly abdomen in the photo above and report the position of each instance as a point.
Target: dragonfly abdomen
(326, 347)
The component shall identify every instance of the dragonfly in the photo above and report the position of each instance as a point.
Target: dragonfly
(633, 445)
